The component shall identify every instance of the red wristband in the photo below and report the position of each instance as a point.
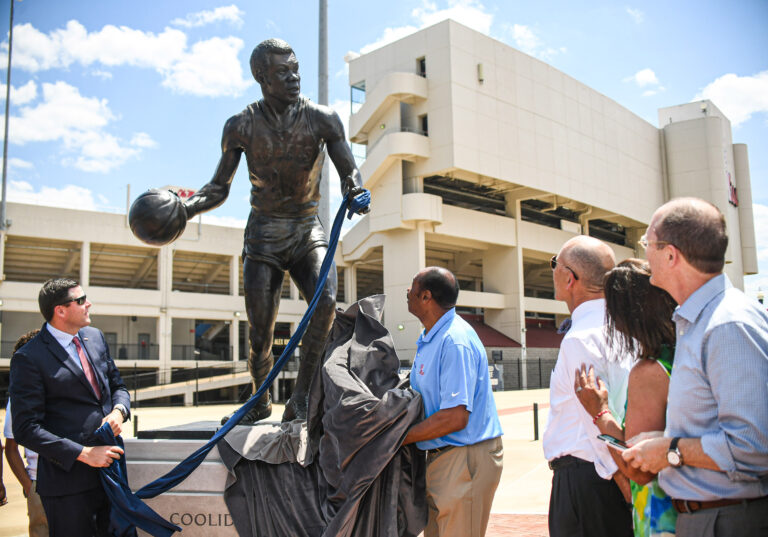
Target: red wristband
(597, 416)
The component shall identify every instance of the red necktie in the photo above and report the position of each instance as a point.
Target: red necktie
(87, 368)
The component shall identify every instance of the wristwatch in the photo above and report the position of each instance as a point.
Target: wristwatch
(674, 457)
(123, 411)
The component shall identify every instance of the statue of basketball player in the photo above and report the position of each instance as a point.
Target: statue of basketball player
(282, 136)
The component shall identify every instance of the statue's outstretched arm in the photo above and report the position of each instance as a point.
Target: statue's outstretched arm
(215, 192)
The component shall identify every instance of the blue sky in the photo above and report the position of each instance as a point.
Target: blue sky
(109, 93)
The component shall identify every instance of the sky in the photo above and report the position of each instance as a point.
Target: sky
(112, 97)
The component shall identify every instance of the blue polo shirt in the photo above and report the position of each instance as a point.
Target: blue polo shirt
(451, 369)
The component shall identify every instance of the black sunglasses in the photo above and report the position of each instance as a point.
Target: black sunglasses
(553, 264)
(80, 301)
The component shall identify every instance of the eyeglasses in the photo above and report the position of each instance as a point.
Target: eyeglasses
(645, 243)
(553, 264)
(80, 301)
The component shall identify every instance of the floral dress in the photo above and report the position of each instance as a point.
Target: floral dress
(653, 514)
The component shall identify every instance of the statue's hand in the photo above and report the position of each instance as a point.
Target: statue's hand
(349, 187)
(189, 211)
(356, 191)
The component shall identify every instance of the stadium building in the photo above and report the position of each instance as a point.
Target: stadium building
(478, 157)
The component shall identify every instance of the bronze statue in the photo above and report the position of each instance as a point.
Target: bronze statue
(282, 136)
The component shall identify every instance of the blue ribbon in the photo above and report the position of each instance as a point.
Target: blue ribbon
(127, 509)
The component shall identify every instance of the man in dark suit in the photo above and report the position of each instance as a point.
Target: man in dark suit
(64, 386)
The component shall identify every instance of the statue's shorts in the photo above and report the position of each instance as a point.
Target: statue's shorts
(281, 241)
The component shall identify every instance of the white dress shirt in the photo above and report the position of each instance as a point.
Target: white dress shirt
(569, 429)
(67, 342)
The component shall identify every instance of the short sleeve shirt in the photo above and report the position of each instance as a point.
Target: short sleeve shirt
(451, 369)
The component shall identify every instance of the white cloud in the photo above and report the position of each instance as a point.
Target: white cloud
(644, 77)
(637, 15)
(184, 69)
(142, 139)
(20, 95)
(390, 35)
(468, 12)
(527, 41)
(104, 75)
(78, 123)
(63, 112)
(19, 164)
(759, 281)
(210, 69)
(738, 97)
(68, 196)
(231, 14)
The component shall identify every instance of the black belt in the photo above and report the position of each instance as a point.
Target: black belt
(691, 506)
(565, 461)
(437, 451)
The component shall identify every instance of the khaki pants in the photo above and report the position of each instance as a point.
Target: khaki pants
(461, 483)
(38, 524)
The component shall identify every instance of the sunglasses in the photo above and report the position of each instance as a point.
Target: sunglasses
(80, 301)
(553, 265)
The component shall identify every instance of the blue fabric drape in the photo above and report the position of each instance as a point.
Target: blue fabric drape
(127, 509)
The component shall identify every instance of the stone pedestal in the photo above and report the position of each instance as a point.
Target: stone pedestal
(197, 504)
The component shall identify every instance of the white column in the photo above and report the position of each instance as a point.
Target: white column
(234, 340)
(503, 273)
(164, 347)
(350, 284)
(234, 275)
(85, 264)
(164, 321)
(404, 256)
(293, 289)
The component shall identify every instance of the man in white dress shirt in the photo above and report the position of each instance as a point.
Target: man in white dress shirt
(585, 500)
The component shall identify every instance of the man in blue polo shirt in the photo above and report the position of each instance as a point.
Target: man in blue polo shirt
(461, 433)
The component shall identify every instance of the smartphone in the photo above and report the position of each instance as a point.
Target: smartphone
(615, 443)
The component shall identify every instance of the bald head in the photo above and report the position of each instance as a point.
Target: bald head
(590, 258)
(441, 283)
(697, 229)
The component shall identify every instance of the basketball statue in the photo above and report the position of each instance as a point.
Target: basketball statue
(158, 217)
(283, 136)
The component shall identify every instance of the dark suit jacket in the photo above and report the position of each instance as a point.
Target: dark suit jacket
(55, 411)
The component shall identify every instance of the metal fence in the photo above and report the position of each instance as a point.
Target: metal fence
(510, 373)
(190, 352)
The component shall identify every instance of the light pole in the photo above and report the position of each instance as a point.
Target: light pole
(3, 219)
(322, 98)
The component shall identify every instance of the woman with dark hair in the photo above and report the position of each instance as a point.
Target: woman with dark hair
(639, 323)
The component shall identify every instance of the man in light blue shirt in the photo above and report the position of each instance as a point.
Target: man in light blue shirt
(713, 457)
(461, 432)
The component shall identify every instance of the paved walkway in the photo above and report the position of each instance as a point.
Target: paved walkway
(517, 526)
(519, 507)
